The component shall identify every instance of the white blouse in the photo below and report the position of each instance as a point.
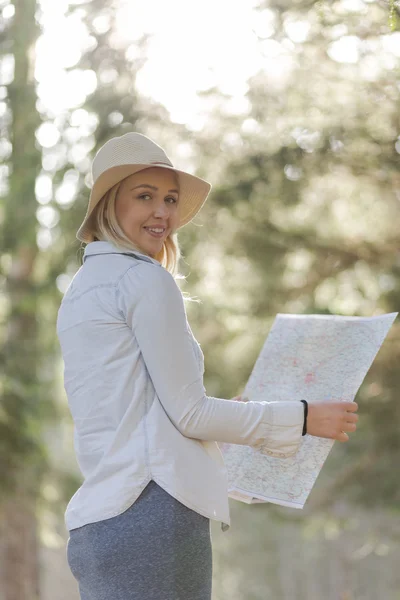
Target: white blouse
(133, 375)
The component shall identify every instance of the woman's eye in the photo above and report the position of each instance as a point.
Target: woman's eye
(169, 197)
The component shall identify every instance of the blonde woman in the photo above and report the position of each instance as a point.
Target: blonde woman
(145, 431)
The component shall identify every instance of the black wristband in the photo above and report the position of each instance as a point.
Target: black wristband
(305, 416)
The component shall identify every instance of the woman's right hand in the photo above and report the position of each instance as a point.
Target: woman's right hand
(332, 419)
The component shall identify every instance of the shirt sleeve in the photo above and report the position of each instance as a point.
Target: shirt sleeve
(153, 306)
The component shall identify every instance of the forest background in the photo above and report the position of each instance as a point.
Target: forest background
(303, 154)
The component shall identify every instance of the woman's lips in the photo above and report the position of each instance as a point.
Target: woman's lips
(154, 234)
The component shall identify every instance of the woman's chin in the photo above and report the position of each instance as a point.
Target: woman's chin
(148, 245)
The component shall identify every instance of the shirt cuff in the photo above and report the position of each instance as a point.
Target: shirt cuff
(283, 429)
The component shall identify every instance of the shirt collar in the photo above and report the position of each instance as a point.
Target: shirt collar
(101, 247)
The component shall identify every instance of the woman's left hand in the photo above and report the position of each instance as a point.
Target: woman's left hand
(240, 398)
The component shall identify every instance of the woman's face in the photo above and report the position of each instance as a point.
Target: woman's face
(139, 206)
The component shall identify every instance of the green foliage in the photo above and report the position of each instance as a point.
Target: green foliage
(308, 205)
(393, 16)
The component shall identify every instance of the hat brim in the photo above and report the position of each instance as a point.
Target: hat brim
(192, 194)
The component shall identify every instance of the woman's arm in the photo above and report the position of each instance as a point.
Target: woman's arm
(153, 306)
(327, 419)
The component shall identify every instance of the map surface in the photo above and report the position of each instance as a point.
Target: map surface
(315, 357)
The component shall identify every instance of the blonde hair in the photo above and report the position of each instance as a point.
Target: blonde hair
(104, 226)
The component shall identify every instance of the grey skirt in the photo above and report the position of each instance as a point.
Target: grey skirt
(158, 549)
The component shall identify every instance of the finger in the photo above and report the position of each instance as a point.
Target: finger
(349, 427)
(352, 418)
(342, 437)
(240, 399)
(350, 406)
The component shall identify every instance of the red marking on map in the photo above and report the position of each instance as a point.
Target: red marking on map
(310, 378)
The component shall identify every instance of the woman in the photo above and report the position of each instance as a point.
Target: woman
(146, 433)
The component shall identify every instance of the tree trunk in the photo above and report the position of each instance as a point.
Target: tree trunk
(19, 549)
(20, 475)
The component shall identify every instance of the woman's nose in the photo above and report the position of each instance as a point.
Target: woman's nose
(162, 210)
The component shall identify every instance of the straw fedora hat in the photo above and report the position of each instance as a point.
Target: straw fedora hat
(124, 155)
